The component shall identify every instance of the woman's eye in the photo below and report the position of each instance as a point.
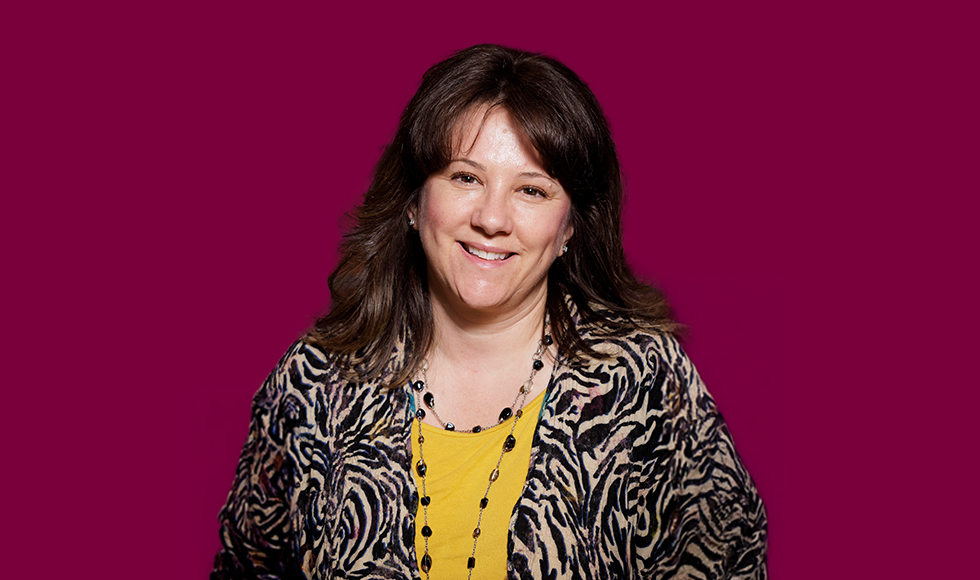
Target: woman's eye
(464, 178)
(533, 191)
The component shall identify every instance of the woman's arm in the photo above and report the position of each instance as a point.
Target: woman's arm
(256, 531)
(711, 520)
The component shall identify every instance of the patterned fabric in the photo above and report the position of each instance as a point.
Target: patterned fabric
(633, 475)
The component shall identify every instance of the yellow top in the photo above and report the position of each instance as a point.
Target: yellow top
(458, 472)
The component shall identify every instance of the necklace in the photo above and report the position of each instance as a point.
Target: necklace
(509, 443)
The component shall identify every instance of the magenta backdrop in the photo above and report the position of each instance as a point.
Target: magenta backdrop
(177, 175)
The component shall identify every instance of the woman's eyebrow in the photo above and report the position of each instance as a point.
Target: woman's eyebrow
(537, 174)
(469, 162)
(524, 174)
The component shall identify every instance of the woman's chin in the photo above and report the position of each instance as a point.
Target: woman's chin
(493, 304)
(484, 305)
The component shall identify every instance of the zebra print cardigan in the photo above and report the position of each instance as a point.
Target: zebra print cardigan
(633, 474)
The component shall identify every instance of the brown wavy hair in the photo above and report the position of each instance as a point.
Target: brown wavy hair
(379, 292)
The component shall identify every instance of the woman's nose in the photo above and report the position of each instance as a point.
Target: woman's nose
(492, 213)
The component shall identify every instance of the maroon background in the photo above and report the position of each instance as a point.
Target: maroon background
(174, 179)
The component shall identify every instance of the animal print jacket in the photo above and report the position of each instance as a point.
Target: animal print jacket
(632, 475)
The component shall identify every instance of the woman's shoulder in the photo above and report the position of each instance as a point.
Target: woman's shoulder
(646, 346)
(310, 386)
(304, 364)
(613, 336)
(306, 369)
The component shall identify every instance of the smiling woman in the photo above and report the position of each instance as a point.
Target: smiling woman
(491, 224)
(492, 393)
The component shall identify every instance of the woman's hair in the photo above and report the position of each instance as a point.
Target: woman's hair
(379, 293)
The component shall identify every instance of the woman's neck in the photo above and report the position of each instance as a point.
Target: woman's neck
(477, 367)
(461, 340)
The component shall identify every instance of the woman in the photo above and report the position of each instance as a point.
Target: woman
(492, 393)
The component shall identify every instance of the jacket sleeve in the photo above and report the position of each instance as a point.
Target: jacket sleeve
(256, 531)
(711, 521)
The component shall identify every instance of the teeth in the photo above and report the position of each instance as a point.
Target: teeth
(485, 255)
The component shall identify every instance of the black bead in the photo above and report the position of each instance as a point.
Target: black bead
(426, 531)
(538, 365)
(477, 429)
(450, 427)
(476, 533)
(420, 467)
(471, 562)
(426, 563)
(506, 414)
(420, 414)
(418, 386)
(547, 340)
(425, 500)
(429, 399)
(483, 503)
(509, 443)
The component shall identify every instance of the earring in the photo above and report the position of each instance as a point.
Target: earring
(564, 250)
(411, 222)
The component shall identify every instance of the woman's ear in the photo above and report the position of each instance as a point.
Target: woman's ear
(568, 235)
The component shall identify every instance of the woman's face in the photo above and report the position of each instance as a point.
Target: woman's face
(491, 222)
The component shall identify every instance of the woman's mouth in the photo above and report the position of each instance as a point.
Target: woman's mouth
(485, 255)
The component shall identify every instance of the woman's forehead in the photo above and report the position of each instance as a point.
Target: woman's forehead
(472, 124)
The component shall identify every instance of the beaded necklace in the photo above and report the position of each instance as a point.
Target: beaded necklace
(509, 443)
